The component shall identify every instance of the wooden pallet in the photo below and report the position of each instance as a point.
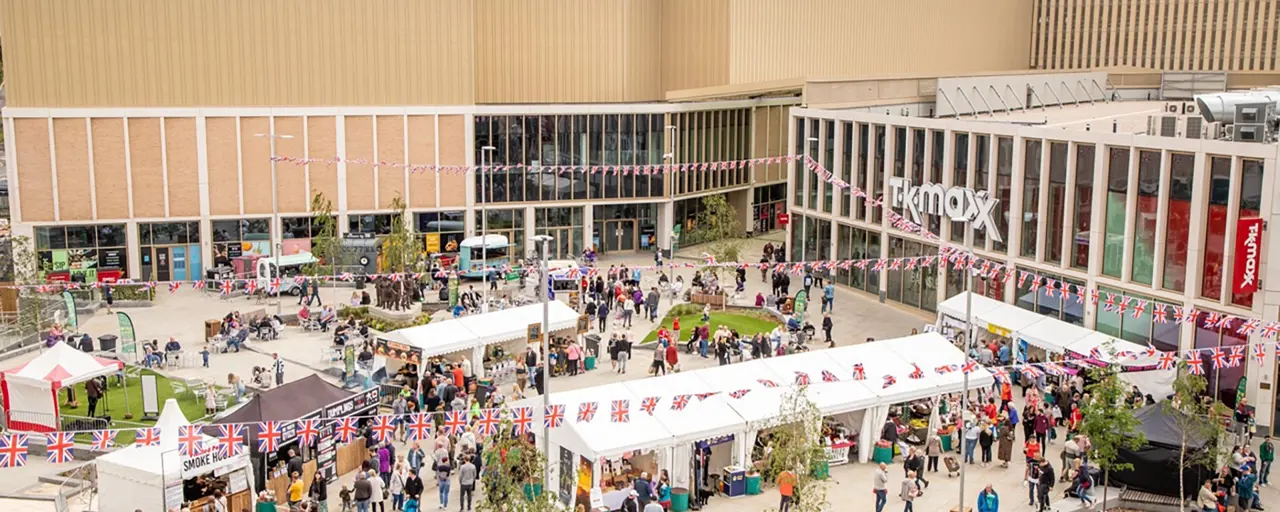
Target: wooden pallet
(1132, 496)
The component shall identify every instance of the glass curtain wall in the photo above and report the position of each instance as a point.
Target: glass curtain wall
(1056, 221)
(1083, 215)
(798, 170)
(504, 222)
(1223, 382)
(936, 153)
(1117, 192)
(1144, 222)
(877, 173)
(846, 166)
(864, 150)
(1030, 198)
(1182, 168)
(442, 232)
(88, 252)
(959, 178)
(233, 238)
(812, 150)
(1141, 329)
(1004, 190)
(981, 159)
(918, 286)
(828, 162)
(1250, 206)
(1037, 296)
(564, 225)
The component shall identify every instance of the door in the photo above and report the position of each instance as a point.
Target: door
(164, 270)
(619, 235)
(179, 263)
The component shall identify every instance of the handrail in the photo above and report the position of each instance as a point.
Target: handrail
(1007, 110)
(1073, 95)
(1043, 106)
(982, 97)
(1061, 104)
(948, 100)
(1021, 105)
(1086, 92)
(972, 108)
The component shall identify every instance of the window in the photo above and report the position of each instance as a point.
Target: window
(1004, 184)
(813, 153)
(1049, 302)
(564, 226)
(799, 171)
(1083, 217)
(1030, 198)
(960, 178)
(1223, 382)
(1182, 169)
(1056, 221)
(504, 222)
(877, 173)
(913, 285)
(370, 224)
(936, 152)
(982, 158)
(442, 232)
(87, 252)
(1215, 236)
(828, 162)
(846, 167)
(1250, 206)
(863, 152)
(1117, 192)
(1144, 233)
(1142, 329)
(233, 238)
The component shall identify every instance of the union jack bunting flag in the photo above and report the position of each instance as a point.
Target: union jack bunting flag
(270, 434)
(487, 423)
(917, 373)
(1249, 326)
(149, 436)
(704, 396)
(419, 427)
(1167, 361)
(999, 374)
(649, 404)
(620, 411)
(58, 447)
(1079, 294)
(827, 376)
(802, 379)
(13, 450)
(1110, 304)
(228, 286)
(1271, 330)
(767, 383)
(680, 402)
(970, 366)
(1260, 353)
(944, 369)
(553, 416)
(103, 439)
(587, 411)
(230, 439)
(1139, 308)
(198, 285)
(251, 287)
(1195, 365)
(190, 441)
(455, 422)
(522, 419)
(1211, 319)
(1218, 358)
(308, 431)
(889, 380)
(1236, 357)
(858, 372)
(173, 286)
(382, 428)
(739, 393)
(1161, 313)
(345, 429)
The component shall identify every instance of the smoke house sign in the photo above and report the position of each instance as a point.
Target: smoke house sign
(958, 203)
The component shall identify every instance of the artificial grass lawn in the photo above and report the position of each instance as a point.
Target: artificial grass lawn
(192, 407)
(745, 324)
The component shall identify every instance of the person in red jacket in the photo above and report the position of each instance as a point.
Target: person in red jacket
(673, 357)
(675, 328)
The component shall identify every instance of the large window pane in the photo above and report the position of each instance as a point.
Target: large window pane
(1083, 216)
(1144, 239)
(1178, 228)
(1117, 191)
(960, 178)
(799, 172)
(864, 150)
(1055, 223)
(828, 162)
(1030, 198)
(1215, 236)
(981, 158)
(813, 153)
(877, 173)
(1004, 184)
(846, 166)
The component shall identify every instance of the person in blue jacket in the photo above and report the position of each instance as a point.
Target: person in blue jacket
(988, 500)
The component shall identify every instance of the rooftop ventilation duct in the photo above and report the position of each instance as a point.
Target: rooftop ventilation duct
(1221, 107)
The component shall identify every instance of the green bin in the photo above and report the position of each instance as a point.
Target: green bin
(753, 485)
(882, 454)
(821, 469)
(265, 506)
(590, 363)
(679, 499)
(532, 491)
(946, 443)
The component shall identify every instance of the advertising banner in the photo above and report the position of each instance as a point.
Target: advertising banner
(73, 320)
(398, 351)
(128, 340)
(1248, 255)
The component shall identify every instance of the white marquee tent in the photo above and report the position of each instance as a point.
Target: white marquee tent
(31, 390)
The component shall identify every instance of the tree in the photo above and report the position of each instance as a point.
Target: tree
(511, 462)
(27, 270)
(401, 248)
(325, 245)
(1197, 422)
(718, 226)
(797, 447)
(1109, 423)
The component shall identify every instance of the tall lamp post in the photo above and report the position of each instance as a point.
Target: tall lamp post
(968, 345)
(484, 225)
(275, 207)
(545, 289)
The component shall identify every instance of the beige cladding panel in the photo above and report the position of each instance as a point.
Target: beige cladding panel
(422, 151)
(182, 167)
(291, 180)
(255, 164)
(224, 166)
(35, 178)
(359, 132)
(780, 39)
(146, 167)
(322, 142)
(110, 176)
(453, 151)
(390, 150)
(760, 142)
(71, 149)
(237, 52)
(695, 43)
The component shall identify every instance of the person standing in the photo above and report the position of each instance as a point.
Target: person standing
(1266, 454)
(988, 500)
(644, 489)
(829, 298)
(602, 313)
(384, 463)
(651, 302)
(319, 492)
(1045, 485)
(673, 357)
(443, 471)
(363, 492)
(1032, 475)
(827, 324)
(278, 366)
(971, 442)
(1005, 450)
(985, 439)
(295, 489)
(909, 492)
(787, 490)
(624, 353)
(397, 487)
(466, 483)
(933, 450)
(880, 486)
(315, 293)
(413, 487)
(808, 283)
(675, 329)
(93, 389)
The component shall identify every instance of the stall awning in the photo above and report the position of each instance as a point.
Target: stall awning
(932, 352)
(700, 419)
(603, 437)
(435, 338)
(448, 336)
(955, 307)
(1007, 319)
(1053, 335)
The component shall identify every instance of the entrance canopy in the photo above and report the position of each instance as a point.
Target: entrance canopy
(468, 333)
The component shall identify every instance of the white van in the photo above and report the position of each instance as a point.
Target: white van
(290, 266)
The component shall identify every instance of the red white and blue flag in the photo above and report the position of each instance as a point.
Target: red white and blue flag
(419, 427)
(739, 393)
(487, 423)
(587, 411)
(889, 380)
(455, 422)
(173, 286)
(269, 436)
(1271, 330)
(103, 439)
(274, 287)
(802, 379)
(917, 373)
(1260, 352)
(649, 404)
(553, 416)
(827, 376)
(13, 450)
(1236, 357)
(1195, 365)
(858, 372)
(190, 441)
(251, 287)
(198, 285)
(680, 402)
(1218, 357)
(767, 383)
(308, 431)
(58, 446)
(620, 411)
(522, 419)
(228, 286)
(230, 439)
(970, 366)
(345, 429)
(382, 428)
(149, 436)
(1167, 361)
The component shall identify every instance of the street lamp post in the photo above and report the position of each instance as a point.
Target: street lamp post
(484, 226)
(545, 289)
(275, 207)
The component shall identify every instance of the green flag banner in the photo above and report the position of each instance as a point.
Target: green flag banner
(801, 299)
(73, 320)
(128, 340)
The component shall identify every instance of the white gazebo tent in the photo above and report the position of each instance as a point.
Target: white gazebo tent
(1139, 369)
(952, 311)
(1054, 336)
(745, 375)
(141, 477)
(31, 390)
(700, 420)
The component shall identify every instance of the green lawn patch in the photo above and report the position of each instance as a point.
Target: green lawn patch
(747, 324)
(192, 407)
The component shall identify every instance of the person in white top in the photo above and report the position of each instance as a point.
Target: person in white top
(377, 501)
(398, 477)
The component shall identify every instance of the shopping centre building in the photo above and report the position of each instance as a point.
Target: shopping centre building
(138, 134)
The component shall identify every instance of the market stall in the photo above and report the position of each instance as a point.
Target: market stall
(951, 312)
(31, 390)
(158, 477)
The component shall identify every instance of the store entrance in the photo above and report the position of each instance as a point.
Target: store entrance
(561, 243)
(615, 235)
(170, 263)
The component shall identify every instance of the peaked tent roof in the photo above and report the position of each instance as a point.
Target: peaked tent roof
(290, 401)
(63, 365)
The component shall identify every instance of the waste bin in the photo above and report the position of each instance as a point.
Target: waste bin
(753, 485)
(593, 343)
(679, 499)
(821, 469)
(589, 363)
(360, 280)
(107, 342)
(882, 454)
(532, 490)
(946, 443)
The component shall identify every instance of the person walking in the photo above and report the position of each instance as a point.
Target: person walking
(909, 491)
(659, 364)
(362, 492)
(644, 489)
(315, 293)
(93, 389)
(1266, 454)
(384, 463)
(1005, 450)
(933, 450)
(278, 366)
(319, 492)
(971, 442)
(827, 324)
(413, 487)
(1046, 484)
(880, 486)
(466, 484)
(303, 296)
(378, 493)
(398, 476)
(1032, 474)
(829, 298)
(651, 303)
(443, 471)
(602, 313)
(786, 490)
(988, 500)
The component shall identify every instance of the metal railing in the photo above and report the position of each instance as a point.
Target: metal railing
(64, 422)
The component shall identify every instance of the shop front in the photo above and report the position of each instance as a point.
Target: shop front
(625, 227)
(170, 251)
(84, 253)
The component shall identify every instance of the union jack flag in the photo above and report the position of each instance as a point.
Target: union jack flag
(911, 263)
(382, 428)
(1161, 313)
(1212, 319)
(1167, 361)
(1195, 365)
(522, 419)
(299, 279)
(13, 450)
(419, 427)
(1124, 304)
(1053, 369)
(308, 431)
(487, 424)
(739, 393)
(1249, 326)
(1079, 294)
(895, 264)
(1236, 357)
(802, 379)
(103, 439)
(1031, 372)
(680, 402)
(999, 374)
(767, 383)
(649, 404)
(345, 430)
(621, 411)
(1035, 282)
(889, 381)
(1093, 297)
(1096, 353)
(970, 366)
(1110, 304)
(198, 285)
(827, 376)
(1260, 353)
(1022, 278)
(917, 373)
(1139, 308)
(148, 436)
(1218, 358)
(1151, 352)
(708, 258)
(553, 416)
(270, 434)
(858, 372)
(59, 447)
(346, 276)
(454, 422)
(878, 266)
(1271, 330)
(230, 439)
(274, 287)
(190, 441)
(587, 411)
(704, 396)
(174, 285)
(945, 369)
(251, 286)
(228, 286)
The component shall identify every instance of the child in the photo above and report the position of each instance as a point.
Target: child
(210, 406)
(204, 355)
(706, 312)
(345, 496)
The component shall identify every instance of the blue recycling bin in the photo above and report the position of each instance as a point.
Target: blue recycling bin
(734, 483)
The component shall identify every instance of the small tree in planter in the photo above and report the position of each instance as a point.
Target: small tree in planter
(1196, 421)
(513, 463)
(718, 226)
(325, 245)
(797, 447)
(1109, 423)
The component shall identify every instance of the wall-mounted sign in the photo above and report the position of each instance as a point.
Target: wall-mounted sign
(957, 203)
(1248, 255)
(534, 333)
(398, 351)
(352, 405)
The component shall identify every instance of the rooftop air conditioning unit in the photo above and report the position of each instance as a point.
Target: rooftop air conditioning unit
(1189, 108)
(1172, 108)
(1195, 127)
(1248, 132)
(1168, 126)
(1213, 131)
